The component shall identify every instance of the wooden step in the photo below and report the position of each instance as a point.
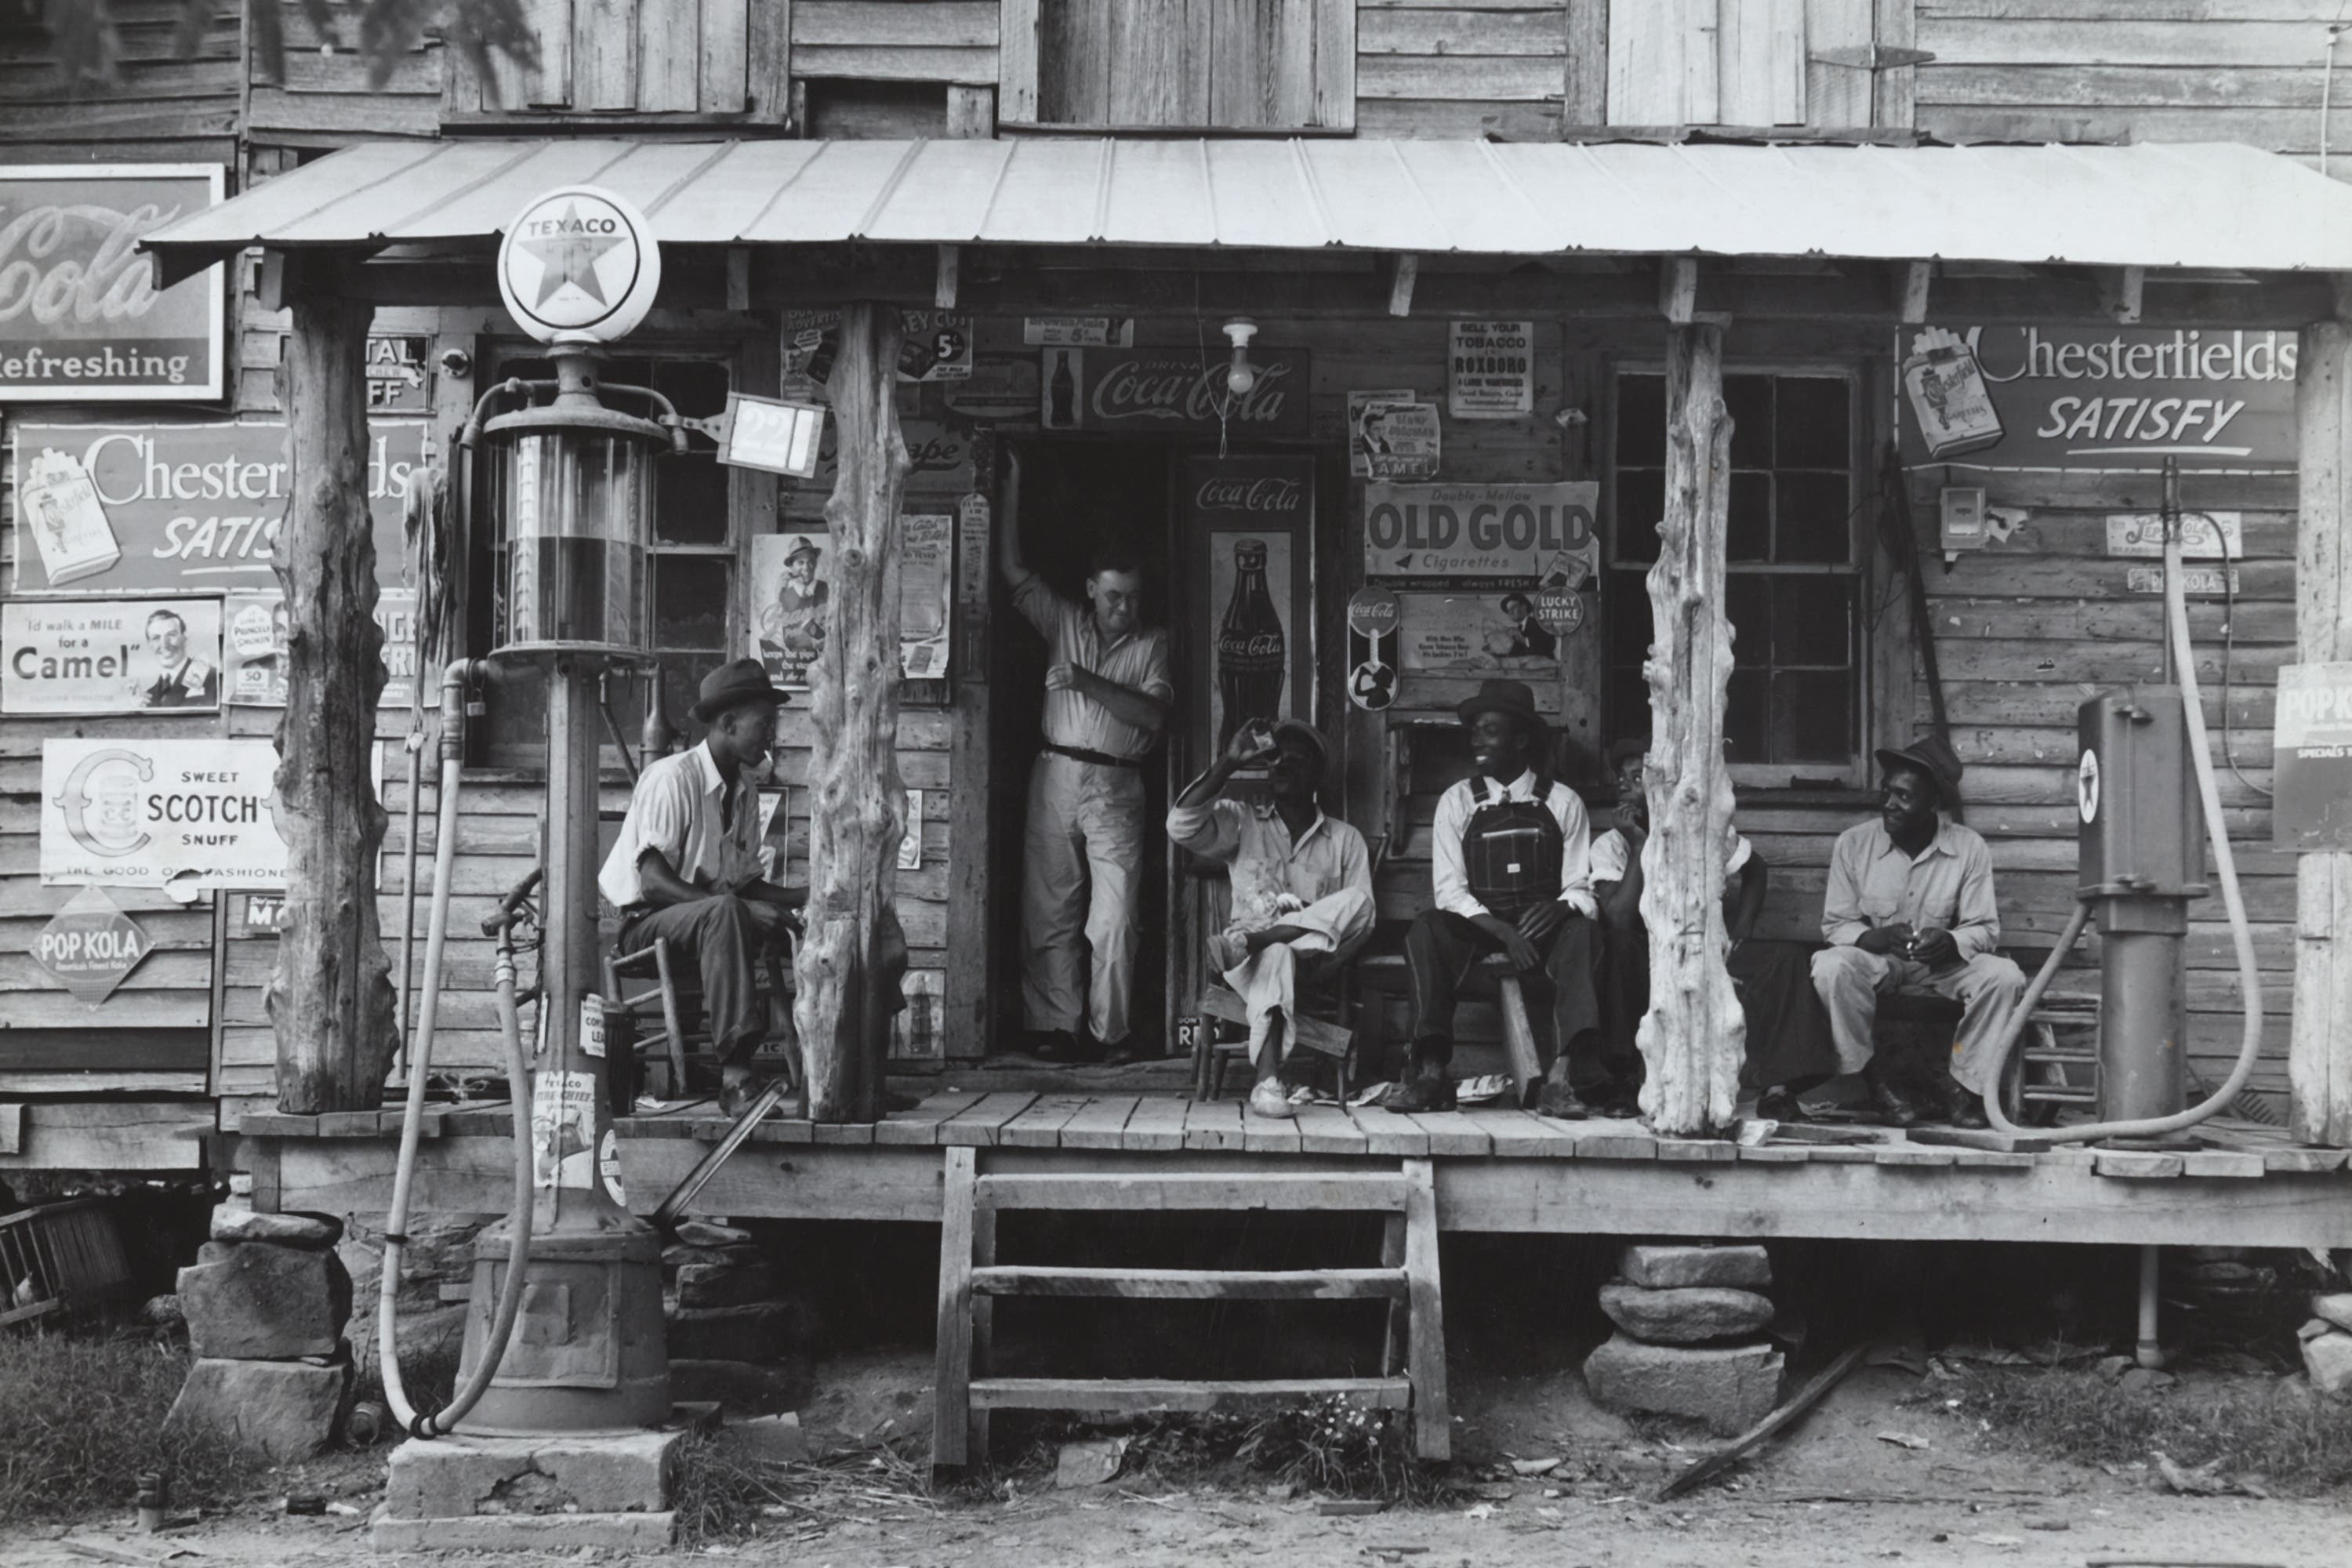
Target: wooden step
(1339, 1192)
(2052, 1094)
(1140, 1397)
(1193, 1283)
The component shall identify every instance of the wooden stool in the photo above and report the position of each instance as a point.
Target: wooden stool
(1518, 1037)
(1211, 1057)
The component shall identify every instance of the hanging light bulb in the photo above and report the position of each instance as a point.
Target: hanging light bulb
(1240, 376)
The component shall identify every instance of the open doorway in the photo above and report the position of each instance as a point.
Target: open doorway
(1073, 490)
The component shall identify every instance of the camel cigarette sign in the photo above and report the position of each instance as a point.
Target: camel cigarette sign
(195, 814)
(80, 318)
(90, 946)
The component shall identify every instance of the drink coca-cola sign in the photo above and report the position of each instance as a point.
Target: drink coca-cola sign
(80, 318)
(1169, 389)
(1251, 519)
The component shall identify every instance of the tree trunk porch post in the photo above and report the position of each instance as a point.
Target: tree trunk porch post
(1693, 1038)
(2320, 1054)
(331, 997)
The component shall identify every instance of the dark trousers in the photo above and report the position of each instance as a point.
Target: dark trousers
(1442, 949)
(1788, 1031)
(724, 939)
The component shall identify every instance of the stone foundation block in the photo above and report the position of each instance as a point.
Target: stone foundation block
(310, 1232)
(763, 1331)
(2328, 1358)
(1686, 1315)
(527, 1532)
(461, 1477)
(1729, 1387)
(2334, 1309)
(285, 1410)
(263, 1302)
(1664, 1267)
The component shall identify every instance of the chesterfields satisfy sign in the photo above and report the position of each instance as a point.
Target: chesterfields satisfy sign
(2055, 398)
(81, 316)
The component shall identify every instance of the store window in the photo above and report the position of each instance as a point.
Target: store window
(693, 564)
(1797, 594)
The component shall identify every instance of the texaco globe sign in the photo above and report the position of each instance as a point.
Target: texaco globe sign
(578, 263)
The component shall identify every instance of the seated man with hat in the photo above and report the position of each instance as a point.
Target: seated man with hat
(686, 867)
(1509, 854)
(1910, 909)
(1302, 883)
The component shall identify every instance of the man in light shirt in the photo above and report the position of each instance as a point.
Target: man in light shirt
(1910, 909)
(1302, 883)
(1508, 855)
(1107, 697)
(686, 867)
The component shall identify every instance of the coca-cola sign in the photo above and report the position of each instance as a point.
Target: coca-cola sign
(80, 318)
(1169, 389)
(1274, 495)
(1252, 521)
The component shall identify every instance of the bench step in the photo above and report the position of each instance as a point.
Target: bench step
(1140, 1397)
(1193, 1283)
(1330, 1191)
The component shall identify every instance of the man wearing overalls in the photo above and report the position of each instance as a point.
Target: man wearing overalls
(1509, 854)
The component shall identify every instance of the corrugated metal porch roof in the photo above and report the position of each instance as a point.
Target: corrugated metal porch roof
(2218, 205)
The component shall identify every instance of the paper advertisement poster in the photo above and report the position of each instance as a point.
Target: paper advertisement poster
(1481, 535)
(2313, 757)
(1490, 370)
(1360, 402)
(1494, 633)
(926, 594)
(1400, 440)
(933, 345)
(789, 598)
(111, 656)
(1078, 331)
(254, 646)
(151, 814)
(563, 1129)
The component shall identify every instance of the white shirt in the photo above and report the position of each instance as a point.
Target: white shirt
(1609, 859)
(676, 809)
(1137, 661)
(1453, 811)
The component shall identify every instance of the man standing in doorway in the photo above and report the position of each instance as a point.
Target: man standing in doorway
(1910, 909)
(1107, 698)
(1509, 854)
(686, 866)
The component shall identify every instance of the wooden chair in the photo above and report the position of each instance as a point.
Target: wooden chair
(672, 986)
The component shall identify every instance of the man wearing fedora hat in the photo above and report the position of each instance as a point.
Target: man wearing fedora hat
(1910, 909)
(686, 867)
(1509, 856)
(1302, 883)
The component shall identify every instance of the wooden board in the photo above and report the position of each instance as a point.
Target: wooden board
(110, 1135)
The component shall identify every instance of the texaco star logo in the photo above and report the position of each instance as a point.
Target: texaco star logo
(578, 262)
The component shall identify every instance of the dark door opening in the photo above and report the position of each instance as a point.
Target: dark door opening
(1074, 491)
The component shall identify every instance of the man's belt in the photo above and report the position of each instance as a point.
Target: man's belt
(1100, 759)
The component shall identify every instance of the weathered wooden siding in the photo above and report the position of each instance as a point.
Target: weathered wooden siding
(164, 108)
(1515, 71)
(896, 40)
(322, 96)
(2131, 70)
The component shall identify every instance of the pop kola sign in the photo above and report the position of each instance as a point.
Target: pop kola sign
(80, 318)
(1474, 535)
(579, 264)
(196, 815)
(90, 946)
(2051, 398)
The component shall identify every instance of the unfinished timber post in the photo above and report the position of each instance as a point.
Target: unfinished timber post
(2319, 1053)
(857, 810)
(331, 998)
(1693, 1038)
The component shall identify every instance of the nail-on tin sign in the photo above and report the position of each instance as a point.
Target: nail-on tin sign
(91, 946)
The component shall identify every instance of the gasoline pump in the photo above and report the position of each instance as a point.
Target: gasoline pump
(569, 476)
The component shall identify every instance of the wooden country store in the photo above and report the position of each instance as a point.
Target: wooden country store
(1410, 179)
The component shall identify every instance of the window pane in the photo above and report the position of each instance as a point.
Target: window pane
(1628, 618)
(1813, 716)
(1641, 502)
(1641, 420)
(698, 386)
(682, 676)
(691, 601)
(690, 501)
(1749, 399)
(1812, 620)
(1750, 526)
(1814, 521)
(1743, 716)
(1811, 429)
(1747, 601)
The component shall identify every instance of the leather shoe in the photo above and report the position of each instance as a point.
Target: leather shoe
(1780, 1103)
(1962, 1108)
(1560, 1103)
(1894, 1108)
(1429, 1089)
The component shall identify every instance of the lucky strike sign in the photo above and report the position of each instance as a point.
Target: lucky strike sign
(81, 316)
(129, 509)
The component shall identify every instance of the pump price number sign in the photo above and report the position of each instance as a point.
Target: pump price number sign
(770, 433)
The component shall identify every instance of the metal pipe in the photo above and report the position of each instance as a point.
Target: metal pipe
(415, 749)
(2150, 1353)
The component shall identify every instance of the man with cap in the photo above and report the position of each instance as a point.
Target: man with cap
(1910, 909)
(1509, 856)
(686, 867)
(1302, 883)
(1107, 696)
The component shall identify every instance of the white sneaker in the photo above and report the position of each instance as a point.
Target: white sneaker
(1270, 1099)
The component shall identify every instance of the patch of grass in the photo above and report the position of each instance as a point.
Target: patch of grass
(80, 1419)
(2276, 1431)
(719, 1495)
(1328, 1447)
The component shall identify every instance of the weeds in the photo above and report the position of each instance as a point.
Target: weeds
(723, 1496)
(2275, 1431)
(1326, 1446)
(80, 1419)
